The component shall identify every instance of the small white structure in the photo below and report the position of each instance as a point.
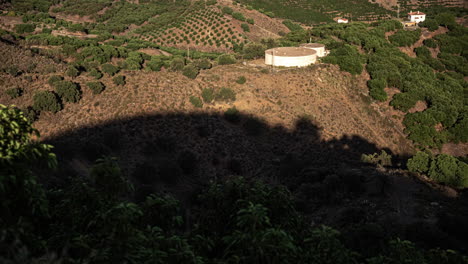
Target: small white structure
(290, 56)
(416, 16)
(342, 20)
(319, 48)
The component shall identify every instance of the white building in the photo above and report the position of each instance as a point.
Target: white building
(416, 16)
(342, 20)
(290, 57)
(319, 48)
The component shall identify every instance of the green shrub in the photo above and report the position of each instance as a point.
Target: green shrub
(238, 16)
(31, 114)
(431, 24)
(177, 64)
(96, 87)
(376, 89)
(292, 26)
(95, 73)
(24, 28)
(208, 95)
(225, 94)
(241, 80)
(110, 69)
(232, 115)
(405, 37)
(250, 21)
(155, 64)
(253, 50)
(430, 43)
(197, 102)
(119, 80)
(47, 101)
(245, 27)
(227, 10)
(449, 170)
(14, 92)
(190, 71)
(203, 64)
(383, 159)
(226, 59)
(419, 162)
(53, 79)
(72, 71)
(68, 91)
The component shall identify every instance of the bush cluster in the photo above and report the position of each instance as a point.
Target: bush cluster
(441, 168)
(68, 91)
(96, 87)
(47, 101)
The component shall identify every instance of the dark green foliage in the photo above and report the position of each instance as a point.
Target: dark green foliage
(405, 37)
(177, 64)
(72, 71)
(226, 59)
(134, 61)
(376, 89)
(250, 21)
(442, 168)
(207, 95)
(430, 43)
(445, 19)
(47, 101)
(225, 94)
(190, 71)
(241, 80)
(431, 24)
(95, 73)
(31, 114)
(292, 26)
(232, 115)
(238, 16)
(110, 69)
(14, 92)
(68, 91)
(253, 50)
(119, 80)
(203, 64)
(347, 57)
(419, 162)
(227, 10)
(245, 27)
(422, 52)
(156, 63)
(53, 79)
(195, 101)
(24, 28)
(96, 87)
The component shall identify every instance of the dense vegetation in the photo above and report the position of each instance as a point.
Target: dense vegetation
(316, 11)
(101, 219)
(438, 82)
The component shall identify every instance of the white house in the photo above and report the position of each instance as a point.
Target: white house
(342, 20)
(416, 16)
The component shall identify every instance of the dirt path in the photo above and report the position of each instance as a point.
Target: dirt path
(425, 34)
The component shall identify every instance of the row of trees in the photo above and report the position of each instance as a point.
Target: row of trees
(98, 219)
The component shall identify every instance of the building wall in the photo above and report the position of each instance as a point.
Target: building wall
(284, 61)
(320, 51)
(417, 18)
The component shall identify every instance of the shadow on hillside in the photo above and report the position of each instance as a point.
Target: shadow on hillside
(181, 153)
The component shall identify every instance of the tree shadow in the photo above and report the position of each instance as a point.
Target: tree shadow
(181, 153)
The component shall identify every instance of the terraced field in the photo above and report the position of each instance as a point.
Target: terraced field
(203, 30)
